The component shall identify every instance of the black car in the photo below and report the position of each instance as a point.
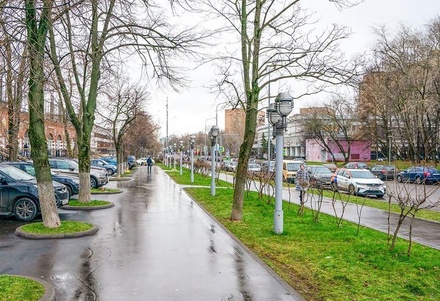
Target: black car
(71, 182)
(19, 194)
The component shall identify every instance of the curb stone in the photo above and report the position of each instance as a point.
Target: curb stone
(67, 207)
(21, 233)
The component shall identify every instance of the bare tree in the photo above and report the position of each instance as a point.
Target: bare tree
(411, 199)
(124, 103)
(91, 37)
(273, 39)
(404, 90)
(38, 21)
(332, 125)
(14, 70)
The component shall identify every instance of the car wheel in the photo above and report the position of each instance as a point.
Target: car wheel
(418, 180)
(93, 183)
(25, 209)
(399, 179)
(69, 192)
(380, 196)
(351, 190)
(110, 172)
(381, 176)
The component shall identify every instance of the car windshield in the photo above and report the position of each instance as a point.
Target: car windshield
(320, 170)
(362, 174)
(293, 166)
(16, 174)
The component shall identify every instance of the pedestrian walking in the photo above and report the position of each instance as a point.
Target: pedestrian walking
(302, 181)
(26, 150)
(149, 163)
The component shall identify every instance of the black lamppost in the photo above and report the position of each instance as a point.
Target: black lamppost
(277, 117)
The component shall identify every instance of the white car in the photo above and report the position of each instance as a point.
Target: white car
(254, 167)
(358, 182)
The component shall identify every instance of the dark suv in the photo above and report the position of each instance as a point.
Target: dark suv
(70, 181)
(19, 194)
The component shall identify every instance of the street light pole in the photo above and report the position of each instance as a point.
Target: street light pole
(213, 133)
(277, 115)
(192, 141)
(181, 150)
(174, 156)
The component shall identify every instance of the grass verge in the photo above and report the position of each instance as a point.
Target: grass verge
(104, 190)
(16, 288)
(66, 227)
(92, 203)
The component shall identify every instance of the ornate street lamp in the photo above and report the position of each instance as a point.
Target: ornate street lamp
(192, 140)
(213, 133)
(277, 114)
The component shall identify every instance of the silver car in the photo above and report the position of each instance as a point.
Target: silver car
(98, 176)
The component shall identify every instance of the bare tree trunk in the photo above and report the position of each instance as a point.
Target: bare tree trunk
(36, 42)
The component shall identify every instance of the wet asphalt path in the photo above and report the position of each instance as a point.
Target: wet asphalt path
(154, 244)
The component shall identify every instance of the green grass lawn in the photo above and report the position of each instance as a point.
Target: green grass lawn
(321, 260)
(17, 288)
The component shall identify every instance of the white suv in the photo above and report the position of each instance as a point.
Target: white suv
(358, 182)
(98, 175)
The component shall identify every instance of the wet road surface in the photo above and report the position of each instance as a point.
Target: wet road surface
(154, 244)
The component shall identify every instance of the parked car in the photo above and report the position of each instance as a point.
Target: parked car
(110, 160)
(271, 168)
(254, 167)
(70, 181)
(131, 162)
(290, 168)
(320, 176)
(19, 194)
(98, 175)
(385, 172)
(419, 175)
(356, 165)
(330, 166)
(358, 182)
(141, 161)
(232, 167)
(111, 169)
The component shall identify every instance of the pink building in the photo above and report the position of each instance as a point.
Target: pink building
(360, 151)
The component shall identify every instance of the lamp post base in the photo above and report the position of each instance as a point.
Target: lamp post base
(278, 217)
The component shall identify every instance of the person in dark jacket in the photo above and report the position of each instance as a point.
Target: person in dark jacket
(149, 163)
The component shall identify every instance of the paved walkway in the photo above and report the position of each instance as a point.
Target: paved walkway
(424, 232)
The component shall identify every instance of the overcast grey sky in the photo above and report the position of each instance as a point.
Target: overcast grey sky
(191, 110)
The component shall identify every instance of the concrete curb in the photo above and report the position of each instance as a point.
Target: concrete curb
(108, 192)
(21, 233)
(67, 207)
